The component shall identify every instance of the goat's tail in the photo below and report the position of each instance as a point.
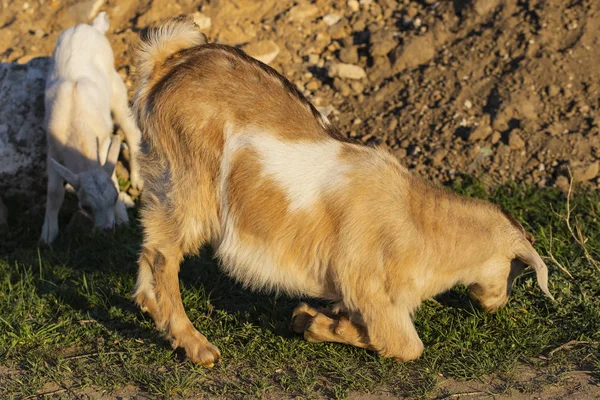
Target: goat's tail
(527, 254)
(161, 41)
(101, 22)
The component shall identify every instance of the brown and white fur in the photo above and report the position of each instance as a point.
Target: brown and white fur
(233, 155)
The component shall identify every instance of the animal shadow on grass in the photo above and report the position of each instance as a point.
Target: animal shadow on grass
(94, 271)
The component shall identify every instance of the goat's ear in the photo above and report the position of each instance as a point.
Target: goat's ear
(101, 22)
(112, 156)
(527, 254)
(71, 178)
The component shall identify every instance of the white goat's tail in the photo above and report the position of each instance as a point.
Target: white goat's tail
(529, 256)
(101, 22)
(161, 41)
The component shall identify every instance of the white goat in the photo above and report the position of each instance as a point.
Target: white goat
(82, 88)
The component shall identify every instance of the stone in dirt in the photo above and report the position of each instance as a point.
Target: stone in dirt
(203, 21)
(346, 71)
(480, 133)
(515, 141)
(382, 42)
(349, 55)
(420, 49)
(265, 50)
(22, 134)
(302, 12)
(585, 172)
(484, 7)
(158, 9)
(331, 19)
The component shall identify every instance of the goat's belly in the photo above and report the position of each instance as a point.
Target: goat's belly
(266, 266)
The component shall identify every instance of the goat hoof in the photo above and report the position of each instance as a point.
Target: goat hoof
(301, 316)
(137, 182)
(48, 234)
(197, 349)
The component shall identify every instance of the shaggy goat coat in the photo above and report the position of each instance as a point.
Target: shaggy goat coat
(233, 155)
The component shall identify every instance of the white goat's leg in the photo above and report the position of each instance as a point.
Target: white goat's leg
(120, 108)
(121, 216)
(54, 199)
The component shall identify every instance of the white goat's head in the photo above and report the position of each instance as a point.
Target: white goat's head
(95, 189)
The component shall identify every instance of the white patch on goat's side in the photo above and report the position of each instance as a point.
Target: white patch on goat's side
(304, 169)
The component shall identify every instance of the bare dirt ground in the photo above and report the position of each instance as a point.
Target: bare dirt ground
(500, 89)
(506, 90)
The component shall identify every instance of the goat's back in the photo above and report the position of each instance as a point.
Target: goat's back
(82, 51)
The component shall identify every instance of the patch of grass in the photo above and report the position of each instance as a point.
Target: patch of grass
(67, 320)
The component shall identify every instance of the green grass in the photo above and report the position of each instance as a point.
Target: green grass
(67, 322)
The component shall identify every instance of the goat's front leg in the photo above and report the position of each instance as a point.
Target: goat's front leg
(120, 108)
(157, 291)
(392, 332)
(54, 200)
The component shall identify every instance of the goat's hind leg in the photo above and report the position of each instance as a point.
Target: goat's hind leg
(120, 108)
(55, 197)
(157, 291)
(325, 326)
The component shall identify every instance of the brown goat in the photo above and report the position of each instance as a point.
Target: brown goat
(233, 155)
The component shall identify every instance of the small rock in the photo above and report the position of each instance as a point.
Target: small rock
(438, 157)
(496, 136)
(342, 87)
(562, 183)
(313, 59)
(302, 12)
(353, 5)
(331, 19)
(480, 133)
(515, 141)
(357, 86)
(203, 21)
(382, 42)
(158, 9)
(552, 90)
(400, 153)
(468, 105)
(265, 50)
(313, 85)
(419, 50)
(346, 71)
(338, 31)
(349, 55)
(483, 7)
(27, 57)
(585, 172)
